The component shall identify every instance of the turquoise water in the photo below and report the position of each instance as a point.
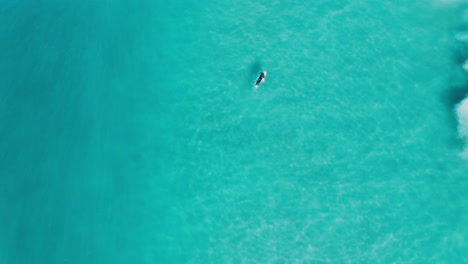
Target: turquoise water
(131, 132)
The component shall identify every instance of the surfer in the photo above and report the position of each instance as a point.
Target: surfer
(260, 78)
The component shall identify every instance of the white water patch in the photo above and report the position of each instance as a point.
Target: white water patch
(462, 115)
(462, 36)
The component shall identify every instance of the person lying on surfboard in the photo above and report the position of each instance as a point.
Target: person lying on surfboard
(260, 78)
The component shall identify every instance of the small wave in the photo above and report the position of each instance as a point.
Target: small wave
(462, 115)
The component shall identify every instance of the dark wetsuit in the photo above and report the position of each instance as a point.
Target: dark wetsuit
(260, 78)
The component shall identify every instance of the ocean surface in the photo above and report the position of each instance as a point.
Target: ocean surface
(130, 131)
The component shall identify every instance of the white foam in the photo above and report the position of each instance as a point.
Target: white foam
(462, 36)
(465, 65)
(462, 114)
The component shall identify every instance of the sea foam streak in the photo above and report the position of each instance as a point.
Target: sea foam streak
(462, 114)
(461, 109)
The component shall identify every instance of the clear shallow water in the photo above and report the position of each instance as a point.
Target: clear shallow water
(131, 133)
